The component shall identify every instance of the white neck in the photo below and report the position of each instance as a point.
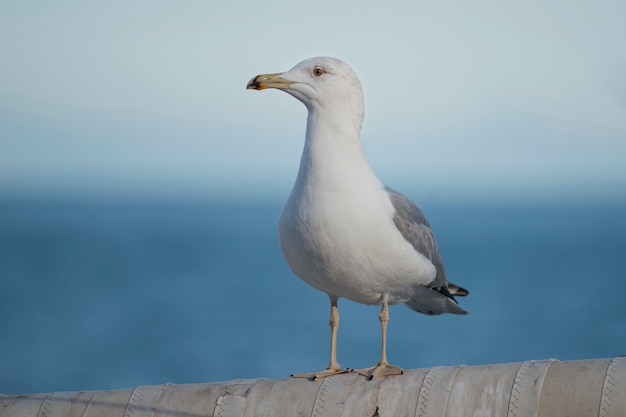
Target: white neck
(333, 156)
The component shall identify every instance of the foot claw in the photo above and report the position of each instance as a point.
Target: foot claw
(379, 371)
(322, 374)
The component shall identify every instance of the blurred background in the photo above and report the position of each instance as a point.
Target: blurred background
(141, 183)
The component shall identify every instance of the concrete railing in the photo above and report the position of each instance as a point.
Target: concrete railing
(548, 388)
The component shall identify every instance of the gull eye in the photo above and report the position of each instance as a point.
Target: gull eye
(318, 71)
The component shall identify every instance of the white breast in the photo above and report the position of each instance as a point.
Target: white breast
(337, 234)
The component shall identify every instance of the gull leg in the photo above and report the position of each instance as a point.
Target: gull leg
(333, 366)
(382, 368)
(333, 322)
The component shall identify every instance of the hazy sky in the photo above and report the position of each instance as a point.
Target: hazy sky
(482, 98)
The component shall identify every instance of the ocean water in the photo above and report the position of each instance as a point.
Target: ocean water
(101, 294)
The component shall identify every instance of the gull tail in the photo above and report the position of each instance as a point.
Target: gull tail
(437, 300)
(456, 290)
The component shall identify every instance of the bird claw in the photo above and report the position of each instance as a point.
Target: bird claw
(322, 374)
(379, 371)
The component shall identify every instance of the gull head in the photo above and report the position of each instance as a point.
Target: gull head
(321, 83)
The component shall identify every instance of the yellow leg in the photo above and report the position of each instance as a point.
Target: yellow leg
(333, 366)
(384, 319)
(333, 322)
(382, 368)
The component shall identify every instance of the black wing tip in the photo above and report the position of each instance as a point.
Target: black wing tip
(445, 291)
(456, 290)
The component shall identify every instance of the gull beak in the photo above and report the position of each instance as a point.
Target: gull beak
(263, 81)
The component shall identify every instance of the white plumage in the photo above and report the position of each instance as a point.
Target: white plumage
(342, 231)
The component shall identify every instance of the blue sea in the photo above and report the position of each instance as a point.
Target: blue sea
(106, 294)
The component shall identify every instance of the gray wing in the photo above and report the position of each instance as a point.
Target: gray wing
(413, 225)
